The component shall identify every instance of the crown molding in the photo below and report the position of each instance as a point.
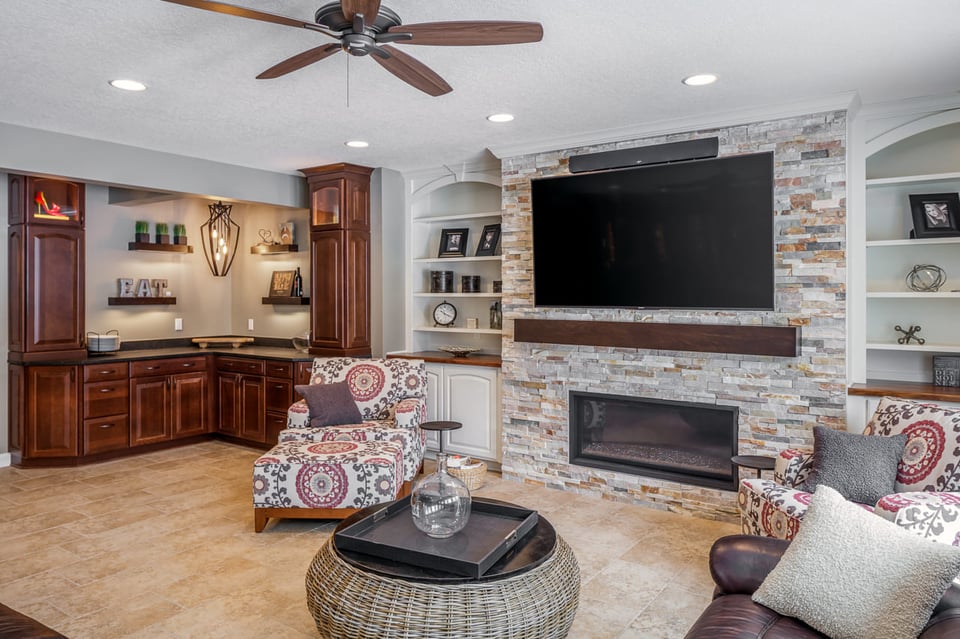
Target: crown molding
(842, 101)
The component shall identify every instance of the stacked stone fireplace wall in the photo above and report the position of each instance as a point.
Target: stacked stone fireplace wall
(780, 399)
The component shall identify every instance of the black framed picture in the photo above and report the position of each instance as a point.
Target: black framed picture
(489, 238)
(935, 215)
(453, 242)
(281, 283)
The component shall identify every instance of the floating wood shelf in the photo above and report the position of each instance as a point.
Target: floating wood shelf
(270, 249)
(168, 248)
(288, 301)
(140, 301)
(777, 341)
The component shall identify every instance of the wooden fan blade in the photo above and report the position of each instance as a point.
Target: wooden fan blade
(468, 33)
(369, 9)
(412, 71)
(299, 61)
(233, 10)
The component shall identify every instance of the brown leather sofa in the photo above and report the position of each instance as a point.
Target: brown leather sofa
(739, 563)
(16, 625)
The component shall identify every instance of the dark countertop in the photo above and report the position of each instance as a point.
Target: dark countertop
(254, 352)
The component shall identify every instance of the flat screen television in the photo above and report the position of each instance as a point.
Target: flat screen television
(689, 235)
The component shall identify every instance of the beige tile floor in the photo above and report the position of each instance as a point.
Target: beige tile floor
(162, 545)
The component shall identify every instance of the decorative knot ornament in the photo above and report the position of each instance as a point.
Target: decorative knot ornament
(909, 334)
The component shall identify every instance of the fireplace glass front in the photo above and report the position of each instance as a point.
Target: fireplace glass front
(679, 441)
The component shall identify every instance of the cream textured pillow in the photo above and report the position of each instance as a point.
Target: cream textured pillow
(853, 575)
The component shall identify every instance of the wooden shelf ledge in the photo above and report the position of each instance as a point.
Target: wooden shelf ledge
(273, 249)
(906, 390)
(775, 341)
(140, 301)
(288, 301)
(167, 248)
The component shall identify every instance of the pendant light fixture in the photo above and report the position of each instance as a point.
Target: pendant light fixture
(220, 237)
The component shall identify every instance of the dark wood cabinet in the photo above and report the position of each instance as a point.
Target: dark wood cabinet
(106, 402)
(340, 259)
(44, 411)
(46, 269)
(169, 399)
(241, 399)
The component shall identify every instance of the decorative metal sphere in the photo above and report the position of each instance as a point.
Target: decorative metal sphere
(926, 278)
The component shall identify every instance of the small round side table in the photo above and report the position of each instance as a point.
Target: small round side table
(757, 462)
(439, 427)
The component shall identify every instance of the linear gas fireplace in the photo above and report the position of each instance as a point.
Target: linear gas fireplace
(679, 441)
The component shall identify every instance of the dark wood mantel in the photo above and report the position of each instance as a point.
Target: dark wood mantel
(775, 341)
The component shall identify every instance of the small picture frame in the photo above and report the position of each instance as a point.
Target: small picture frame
(453, 242)
(281, 283)
(489, 238)
(286, 233)
(935, 215)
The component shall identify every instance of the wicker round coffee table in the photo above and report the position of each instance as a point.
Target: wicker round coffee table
(531, 593)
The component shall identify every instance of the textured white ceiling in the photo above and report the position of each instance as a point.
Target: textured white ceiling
(604, 64)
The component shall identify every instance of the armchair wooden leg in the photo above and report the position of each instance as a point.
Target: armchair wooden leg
(259, 519)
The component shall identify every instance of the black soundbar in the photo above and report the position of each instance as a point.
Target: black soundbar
(643, 155)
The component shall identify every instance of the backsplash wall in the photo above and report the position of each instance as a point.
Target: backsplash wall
(780, 399)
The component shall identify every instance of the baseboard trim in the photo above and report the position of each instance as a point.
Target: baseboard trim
(5, 460)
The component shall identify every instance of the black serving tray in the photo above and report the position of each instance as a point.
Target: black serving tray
(493, 529)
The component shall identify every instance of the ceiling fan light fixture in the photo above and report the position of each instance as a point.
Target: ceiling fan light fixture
(699, 79)
(500, 117)
(128, 85)
(356, 144)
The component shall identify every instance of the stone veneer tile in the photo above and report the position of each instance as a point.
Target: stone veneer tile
(779, 399)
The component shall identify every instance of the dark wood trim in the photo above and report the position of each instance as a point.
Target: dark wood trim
(140, 301)
(905, 390)
(775, 341)
(150, 246)
(286, 301)
(439, 357)
(270, 249)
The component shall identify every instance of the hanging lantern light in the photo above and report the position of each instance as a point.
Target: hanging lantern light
(220, 236)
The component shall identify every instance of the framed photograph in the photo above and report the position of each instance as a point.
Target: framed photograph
(281, 283)
(489, 238)
(453, 242)
(935, 215)
(286, 232)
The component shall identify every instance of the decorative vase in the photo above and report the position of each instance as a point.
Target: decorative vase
(180, 239)
(440, 503)
(141, 238)
(163, 239)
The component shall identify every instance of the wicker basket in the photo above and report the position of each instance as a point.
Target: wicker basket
(472, 476)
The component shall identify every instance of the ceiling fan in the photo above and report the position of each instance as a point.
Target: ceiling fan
(364, 27)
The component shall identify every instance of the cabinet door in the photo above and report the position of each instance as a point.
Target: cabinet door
(471, 397)
(326, 289)
(189, 404)
(228, 403)
(149, 410)
(54, 289)
(356, 294)
(434, 397)
(52, 418)
(252, 408)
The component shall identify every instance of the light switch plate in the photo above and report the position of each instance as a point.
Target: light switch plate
(250, 324)
(178, 324)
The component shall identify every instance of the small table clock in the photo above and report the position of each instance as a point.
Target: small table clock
(444, 314)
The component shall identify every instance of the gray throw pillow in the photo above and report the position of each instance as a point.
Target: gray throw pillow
(862, 468)
(330, 404)
(853, 575)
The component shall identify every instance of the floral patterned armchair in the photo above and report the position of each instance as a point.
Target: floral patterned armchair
(391, 396)
(928, 473)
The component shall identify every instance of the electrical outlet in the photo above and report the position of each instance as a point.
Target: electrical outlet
(178, 324)
(250, 324)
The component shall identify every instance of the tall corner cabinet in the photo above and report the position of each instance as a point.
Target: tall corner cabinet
(340, 259)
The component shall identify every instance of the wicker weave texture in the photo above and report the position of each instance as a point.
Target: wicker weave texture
(348, 603)
(472, 477)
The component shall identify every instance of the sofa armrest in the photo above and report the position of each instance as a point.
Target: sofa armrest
(943, 625)
(740, 563)
(410, 412)
(298, 415)
(792, 467)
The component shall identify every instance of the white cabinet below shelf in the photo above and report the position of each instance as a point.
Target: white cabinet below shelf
(469, 395)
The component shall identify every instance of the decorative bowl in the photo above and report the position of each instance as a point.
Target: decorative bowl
(458, 351)
(301, 343)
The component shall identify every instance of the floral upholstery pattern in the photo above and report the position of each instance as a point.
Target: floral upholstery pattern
(377, 385)
(933, 520)
(328, 474)
(412, 441)
(928, 473)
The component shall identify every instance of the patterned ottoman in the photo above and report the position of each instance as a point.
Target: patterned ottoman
(325, 480)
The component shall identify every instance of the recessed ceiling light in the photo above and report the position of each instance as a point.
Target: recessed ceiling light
(699, 79)
(357, 144)
(128, 85)
(500, 117)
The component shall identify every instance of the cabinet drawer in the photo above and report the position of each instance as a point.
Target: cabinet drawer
(106, 433)
(275, 423)
(240, 365)
(105, 398)
(167, 366)
(278, 394)
(274, 368)
(105, 372)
